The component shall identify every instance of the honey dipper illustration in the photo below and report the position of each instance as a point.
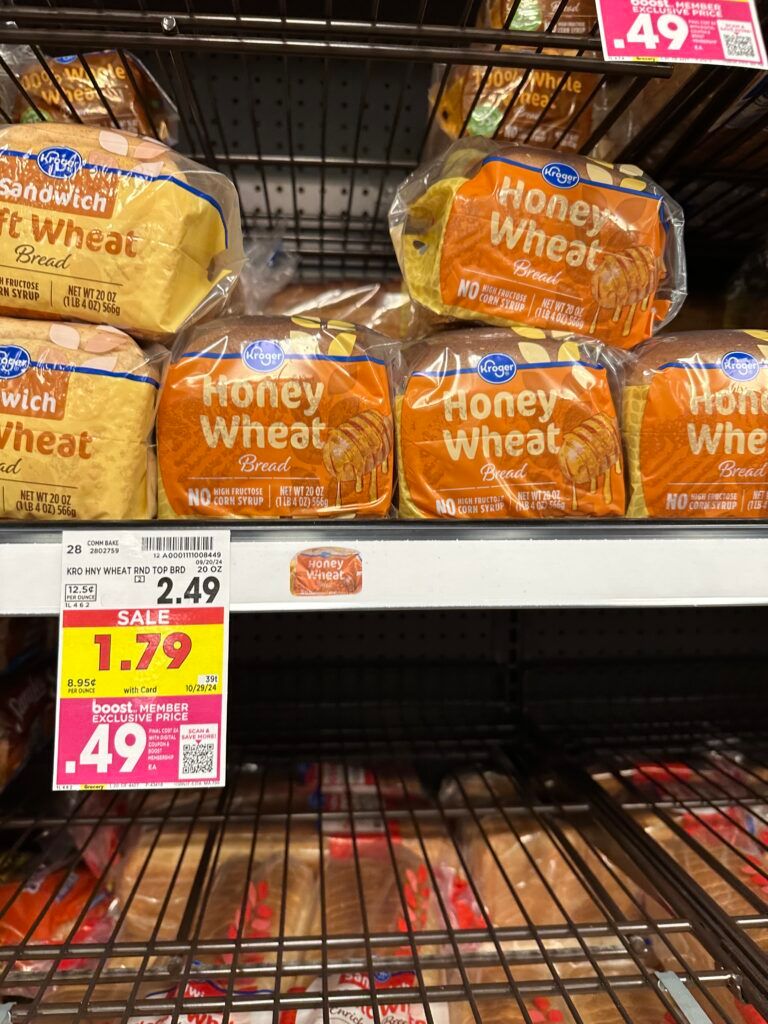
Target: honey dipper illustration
(588, 452)
(356, 447)
(625, 279)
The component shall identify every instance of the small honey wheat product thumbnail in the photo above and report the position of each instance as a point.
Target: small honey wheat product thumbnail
(276, 416)
(511, 235)
(77, 407)
(696, 426)
(492, 425)
(108, 227)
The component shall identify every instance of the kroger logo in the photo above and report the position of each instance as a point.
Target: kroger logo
(59, 161)
(560, 175)
(14, 361)
(497, 368)
(263, 356)
(66, 60)
(740, 366)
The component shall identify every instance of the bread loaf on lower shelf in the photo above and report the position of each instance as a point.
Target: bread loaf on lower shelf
(638, 1006)
(255, 892)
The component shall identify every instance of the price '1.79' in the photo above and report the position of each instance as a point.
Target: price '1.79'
(175, 646)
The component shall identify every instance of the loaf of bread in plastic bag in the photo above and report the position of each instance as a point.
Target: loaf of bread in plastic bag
(695, 418)
(77, 410)
(109, 227)
(276, 417)
(507, 234)
(515, 423)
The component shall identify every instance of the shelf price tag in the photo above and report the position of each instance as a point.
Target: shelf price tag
(686, 31)
(142, 679)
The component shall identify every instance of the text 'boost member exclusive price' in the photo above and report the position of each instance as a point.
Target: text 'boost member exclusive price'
(142, 660)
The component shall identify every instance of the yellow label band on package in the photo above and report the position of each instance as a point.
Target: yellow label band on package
(112, 228)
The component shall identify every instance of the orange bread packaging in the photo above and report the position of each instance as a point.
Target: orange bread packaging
(276, 416)
(512, 235)
(696, 426)
(494, 425)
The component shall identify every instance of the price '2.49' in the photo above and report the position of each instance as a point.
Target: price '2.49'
(175, 646)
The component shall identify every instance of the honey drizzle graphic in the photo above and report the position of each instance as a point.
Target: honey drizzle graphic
(593, 440)
(362, 443)
(616, 270)
(363, 436)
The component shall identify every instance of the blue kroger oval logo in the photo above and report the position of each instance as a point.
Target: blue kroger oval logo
(14, 361)
(740, 366)
(263, 356)
(66, 60)
(496, 368)
(59, 161)
(560, 175)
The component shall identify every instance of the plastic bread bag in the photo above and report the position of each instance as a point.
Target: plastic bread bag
(493, 425)
(694, 422)
(268, 269)
(642, 1002)
(383, 306)
(97, 87)
(198, 986)
(512, 235)
(730, 836)
(277, 416)
(77, 410)
(43, 907)
(108, 227)
(544, 107)
(524, 871)
(386, 889)
(241, 891)
(331, 786)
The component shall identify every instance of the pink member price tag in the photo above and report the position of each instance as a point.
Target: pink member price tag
(142, 675)
(689, 31)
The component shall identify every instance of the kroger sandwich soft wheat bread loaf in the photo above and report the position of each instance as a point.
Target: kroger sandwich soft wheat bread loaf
(696, 426)
(276, 416)
(108, 227)
(77, 408)
(517, 423)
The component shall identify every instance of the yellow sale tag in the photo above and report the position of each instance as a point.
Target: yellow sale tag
(106, 657)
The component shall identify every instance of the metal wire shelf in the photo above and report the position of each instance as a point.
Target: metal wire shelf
(317, 111)
(559, 904)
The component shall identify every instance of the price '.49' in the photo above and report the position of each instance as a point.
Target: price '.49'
(671, 27)
(128, 742)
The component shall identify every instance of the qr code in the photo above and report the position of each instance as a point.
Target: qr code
(738, 41)
(198, 760)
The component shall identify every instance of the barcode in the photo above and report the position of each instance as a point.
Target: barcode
(738, 41)
(181, 543)
(198, 760)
